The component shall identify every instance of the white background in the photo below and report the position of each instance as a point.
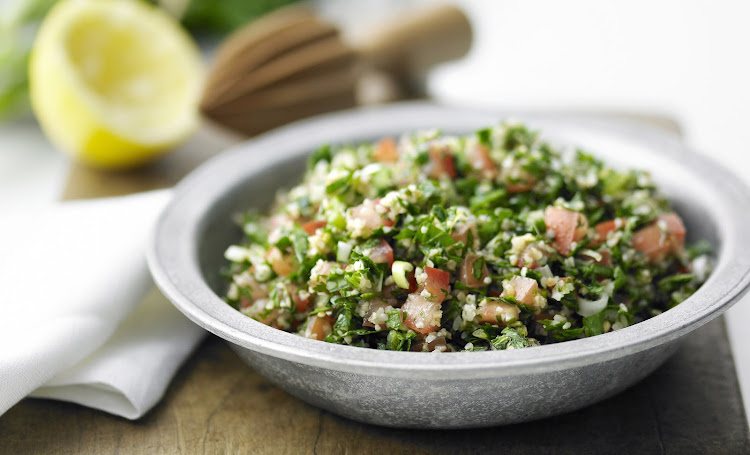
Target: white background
(686, 59)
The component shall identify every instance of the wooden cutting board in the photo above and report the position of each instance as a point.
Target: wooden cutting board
(217, 404)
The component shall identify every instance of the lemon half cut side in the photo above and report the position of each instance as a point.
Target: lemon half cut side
(114, 83)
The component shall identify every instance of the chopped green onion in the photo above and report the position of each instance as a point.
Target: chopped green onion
(399, 269)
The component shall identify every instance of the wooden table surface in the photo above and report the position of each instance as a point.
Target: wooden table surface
(217, 404)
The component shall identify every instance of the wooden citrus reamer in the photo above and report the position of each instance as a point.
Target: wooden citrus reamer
(292, 64)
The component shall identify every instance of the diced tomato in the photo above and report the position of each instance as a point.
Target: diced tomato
(385, 150)
(321, 271)
(257, 310)
(377, 207)
(311, 226)
(466, 272)
(438, 343)
(603, 229)
(280, 263)
(318, 327)
(372, 213)
(278, 220)
(422, 315)
(300, 302)
(498, 313)
(675, 228)
(519, 187)
(441, 163)
(246, 303)
(391, 292)
(382, 253)
(524, 183)
(606, 259)
(528, 257)
(524, 290)
(301, 299)
(412, 280)
(269, 319)
(257, 290)
(568, 226)
(652, 242)
(375, 305)
(460, 233)
(515, 177)
(437, 284)
(665, 235)
(479, 158)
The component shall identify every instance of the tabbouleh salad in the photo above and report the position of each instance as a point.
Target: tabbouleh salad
(494, 240)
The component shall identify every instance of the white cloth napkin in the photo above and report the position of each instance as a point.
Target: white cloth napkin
(80, 319)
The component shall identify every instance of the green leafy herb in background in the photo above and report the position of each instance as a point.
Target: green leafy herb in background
(222, 16)
(20, 19)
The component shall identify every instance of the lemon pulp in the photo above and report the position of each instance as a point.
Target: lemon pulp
(114, 82)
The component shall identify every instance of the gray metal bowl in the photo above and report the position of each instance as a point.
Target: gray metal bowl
(454, 390)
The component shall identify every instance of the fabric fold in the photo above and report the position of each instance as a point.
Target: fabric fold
(77, 321)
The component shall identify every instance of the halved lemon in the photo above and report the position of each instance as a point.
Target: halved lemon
(114, 82)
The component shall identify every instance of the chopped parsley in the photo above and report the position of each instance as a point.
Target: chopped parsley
(491, 241)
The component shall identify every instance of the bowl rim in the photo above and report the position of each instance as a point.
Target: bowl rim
(173, 258)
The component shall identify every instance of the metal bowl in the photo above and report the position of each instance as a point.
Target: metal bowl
(451, 390)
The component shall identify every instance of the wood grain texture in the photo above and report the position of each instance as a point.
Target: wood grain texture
(217, 404)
